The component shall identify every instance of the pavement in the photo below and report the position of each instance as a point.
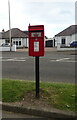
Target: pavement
(42, 112)
(46, 49)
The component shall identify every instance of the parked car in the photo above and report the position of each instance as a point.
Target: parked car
(73, 44)
(5, 45)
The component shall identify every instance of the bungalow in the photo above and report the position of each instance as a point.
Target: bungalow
(18, 37)
(67, 36)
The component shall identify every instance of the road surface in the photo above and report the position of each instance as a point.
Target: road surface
(54, 66)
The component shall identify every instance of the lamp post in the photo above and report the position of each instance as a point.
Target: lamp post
(9, 24)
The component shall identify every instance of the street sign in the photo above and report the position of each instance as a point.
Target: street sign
(36, 40)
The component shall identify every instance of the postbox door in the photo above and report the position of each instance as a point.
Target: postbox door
(36, 41)
(36, 47)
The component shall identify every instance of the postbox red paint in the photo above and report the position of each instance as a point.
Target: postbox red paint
(36, 40)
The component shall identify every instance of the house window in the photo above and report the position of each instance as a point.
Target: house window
(63, 41)
(19, 42)
(7, 41)
(16, 42)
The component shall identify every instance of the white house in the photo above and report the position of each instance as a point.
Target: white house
(1, 40)
(67, 36)
(18, 37)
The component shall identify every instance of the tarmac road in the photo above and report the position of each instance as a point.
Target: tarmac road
(19, 116)
(54, 66)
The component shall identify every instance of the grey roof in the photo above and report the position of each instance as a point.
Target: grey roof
(0, 35)
(15, 33)
(26, 32)
(68, 31)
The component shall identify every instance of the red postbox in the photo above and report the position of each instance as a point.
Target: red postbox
(36, 40)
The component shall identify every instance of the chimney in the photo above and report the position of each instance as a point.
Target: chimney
(3, 31)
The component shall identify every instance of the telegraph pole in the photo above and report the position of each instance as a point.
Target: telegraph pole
(9, 24)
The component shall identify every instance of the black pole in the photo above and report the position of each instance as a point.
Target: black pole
(37, 75)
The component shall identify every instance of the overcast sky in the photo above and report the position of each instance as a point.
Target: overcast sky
(55, 15)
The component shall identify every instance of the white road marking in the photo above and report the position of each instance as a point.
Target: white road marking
(69, 61)
(13, 59)
(9, 59)
(23, 59)
(62, 59)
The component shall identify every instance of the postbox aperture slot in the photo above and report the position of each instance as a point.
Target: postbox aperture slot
(36, 34)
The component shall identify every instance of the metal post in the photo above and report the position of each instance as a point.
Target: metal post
(9, 24)
(37, 75)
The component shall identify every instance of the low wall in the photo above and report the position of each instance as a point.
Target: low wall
(65, 48)
(13, 48)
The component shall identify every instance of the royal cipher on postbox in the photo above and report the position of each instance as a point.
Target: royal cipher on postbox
(36, 40)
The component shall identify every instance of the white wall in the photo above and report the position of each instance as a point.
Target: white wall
(74, 37)
(16, 39)
(24, 42)
(57, 40)
(69, 39)
(2, 41)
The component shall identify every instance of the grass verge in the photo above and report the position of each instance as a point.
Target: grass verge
(60, 95)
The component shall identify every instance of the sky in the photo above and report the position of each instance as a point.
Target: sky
(55, 15)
